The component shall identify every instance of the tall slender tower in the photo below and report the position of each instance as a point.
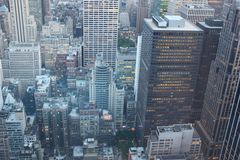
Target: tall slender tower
(142, 12)
(100, 28)
(19, 11)
(222, 84)
(231, 149)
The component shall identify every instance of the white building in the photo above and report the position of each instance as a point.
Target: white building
(19, 11)
(31, 29)
(24, 62)
(174, 5)
(100, 28)
(117, 104)
(172, 140)
(196, 13)
(54, 28)
(23, 26)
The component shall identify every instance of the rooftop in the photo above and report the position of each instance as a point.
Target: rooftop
(77, 151)
(197, 6)
(212, 23)
(90, 143)
(177, 24)
(137, 153)
(74, 113)
(107, 151)
(3, 8)
(174, 128)
(56, 103)
(12, 118)
(171, 157)
(42, 83)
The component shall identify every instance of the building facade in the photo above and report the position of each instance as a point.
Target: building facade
(4, 142)
(24, 62)
(221, 86)
(230, 149)
(19, 11)
(168, 71)
(142, 12)
(174, 140)
(196, 13)
(212, 29)
(55, 124)
(100, 28)
(101, 83)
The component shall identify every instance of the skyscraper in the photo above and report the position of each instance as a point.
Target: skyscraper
(196, 13)
(218, 6)
(15, 132)
(19, 11)
(24, 62)
(4, 143)
(100, 83)
(142, 12)
(212, 29)
(100, 28)
(55, 123)
(231, 147)
(222, 84)
(35, 9)
(170, 55)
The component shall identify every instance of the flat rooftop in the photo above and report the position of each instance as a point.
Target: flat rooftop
(56, 103)
(174, 128)
(188, 26)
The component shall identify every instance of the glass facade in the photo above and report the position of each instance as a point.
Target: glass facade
(221, 86)
(168, 73)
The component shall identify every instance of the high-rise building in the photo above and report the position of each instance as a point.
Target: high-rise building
(4, 142)
(55, 124)
(15, 131)
(117, 104)
(5, 19)
(20, 61)
(174, 5)
(173, 140)
(31, 29)
(212, 29)
(100, 28)
(125, 67)
(89, 121)
(74, 128)
(35, 9)
(24, 62)
(171, 50)
(222, 84)
(101, 83)
(231, 148)
(19, 11)
(142, 12)
(196, 13)
(106, 128)
(218, 6)
(46, 10)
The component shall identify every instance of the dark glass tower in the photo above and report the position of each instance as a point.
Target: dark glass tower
(222, 84)
(231, 143)
(142, 12)
(170, 56)
(212, 29)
